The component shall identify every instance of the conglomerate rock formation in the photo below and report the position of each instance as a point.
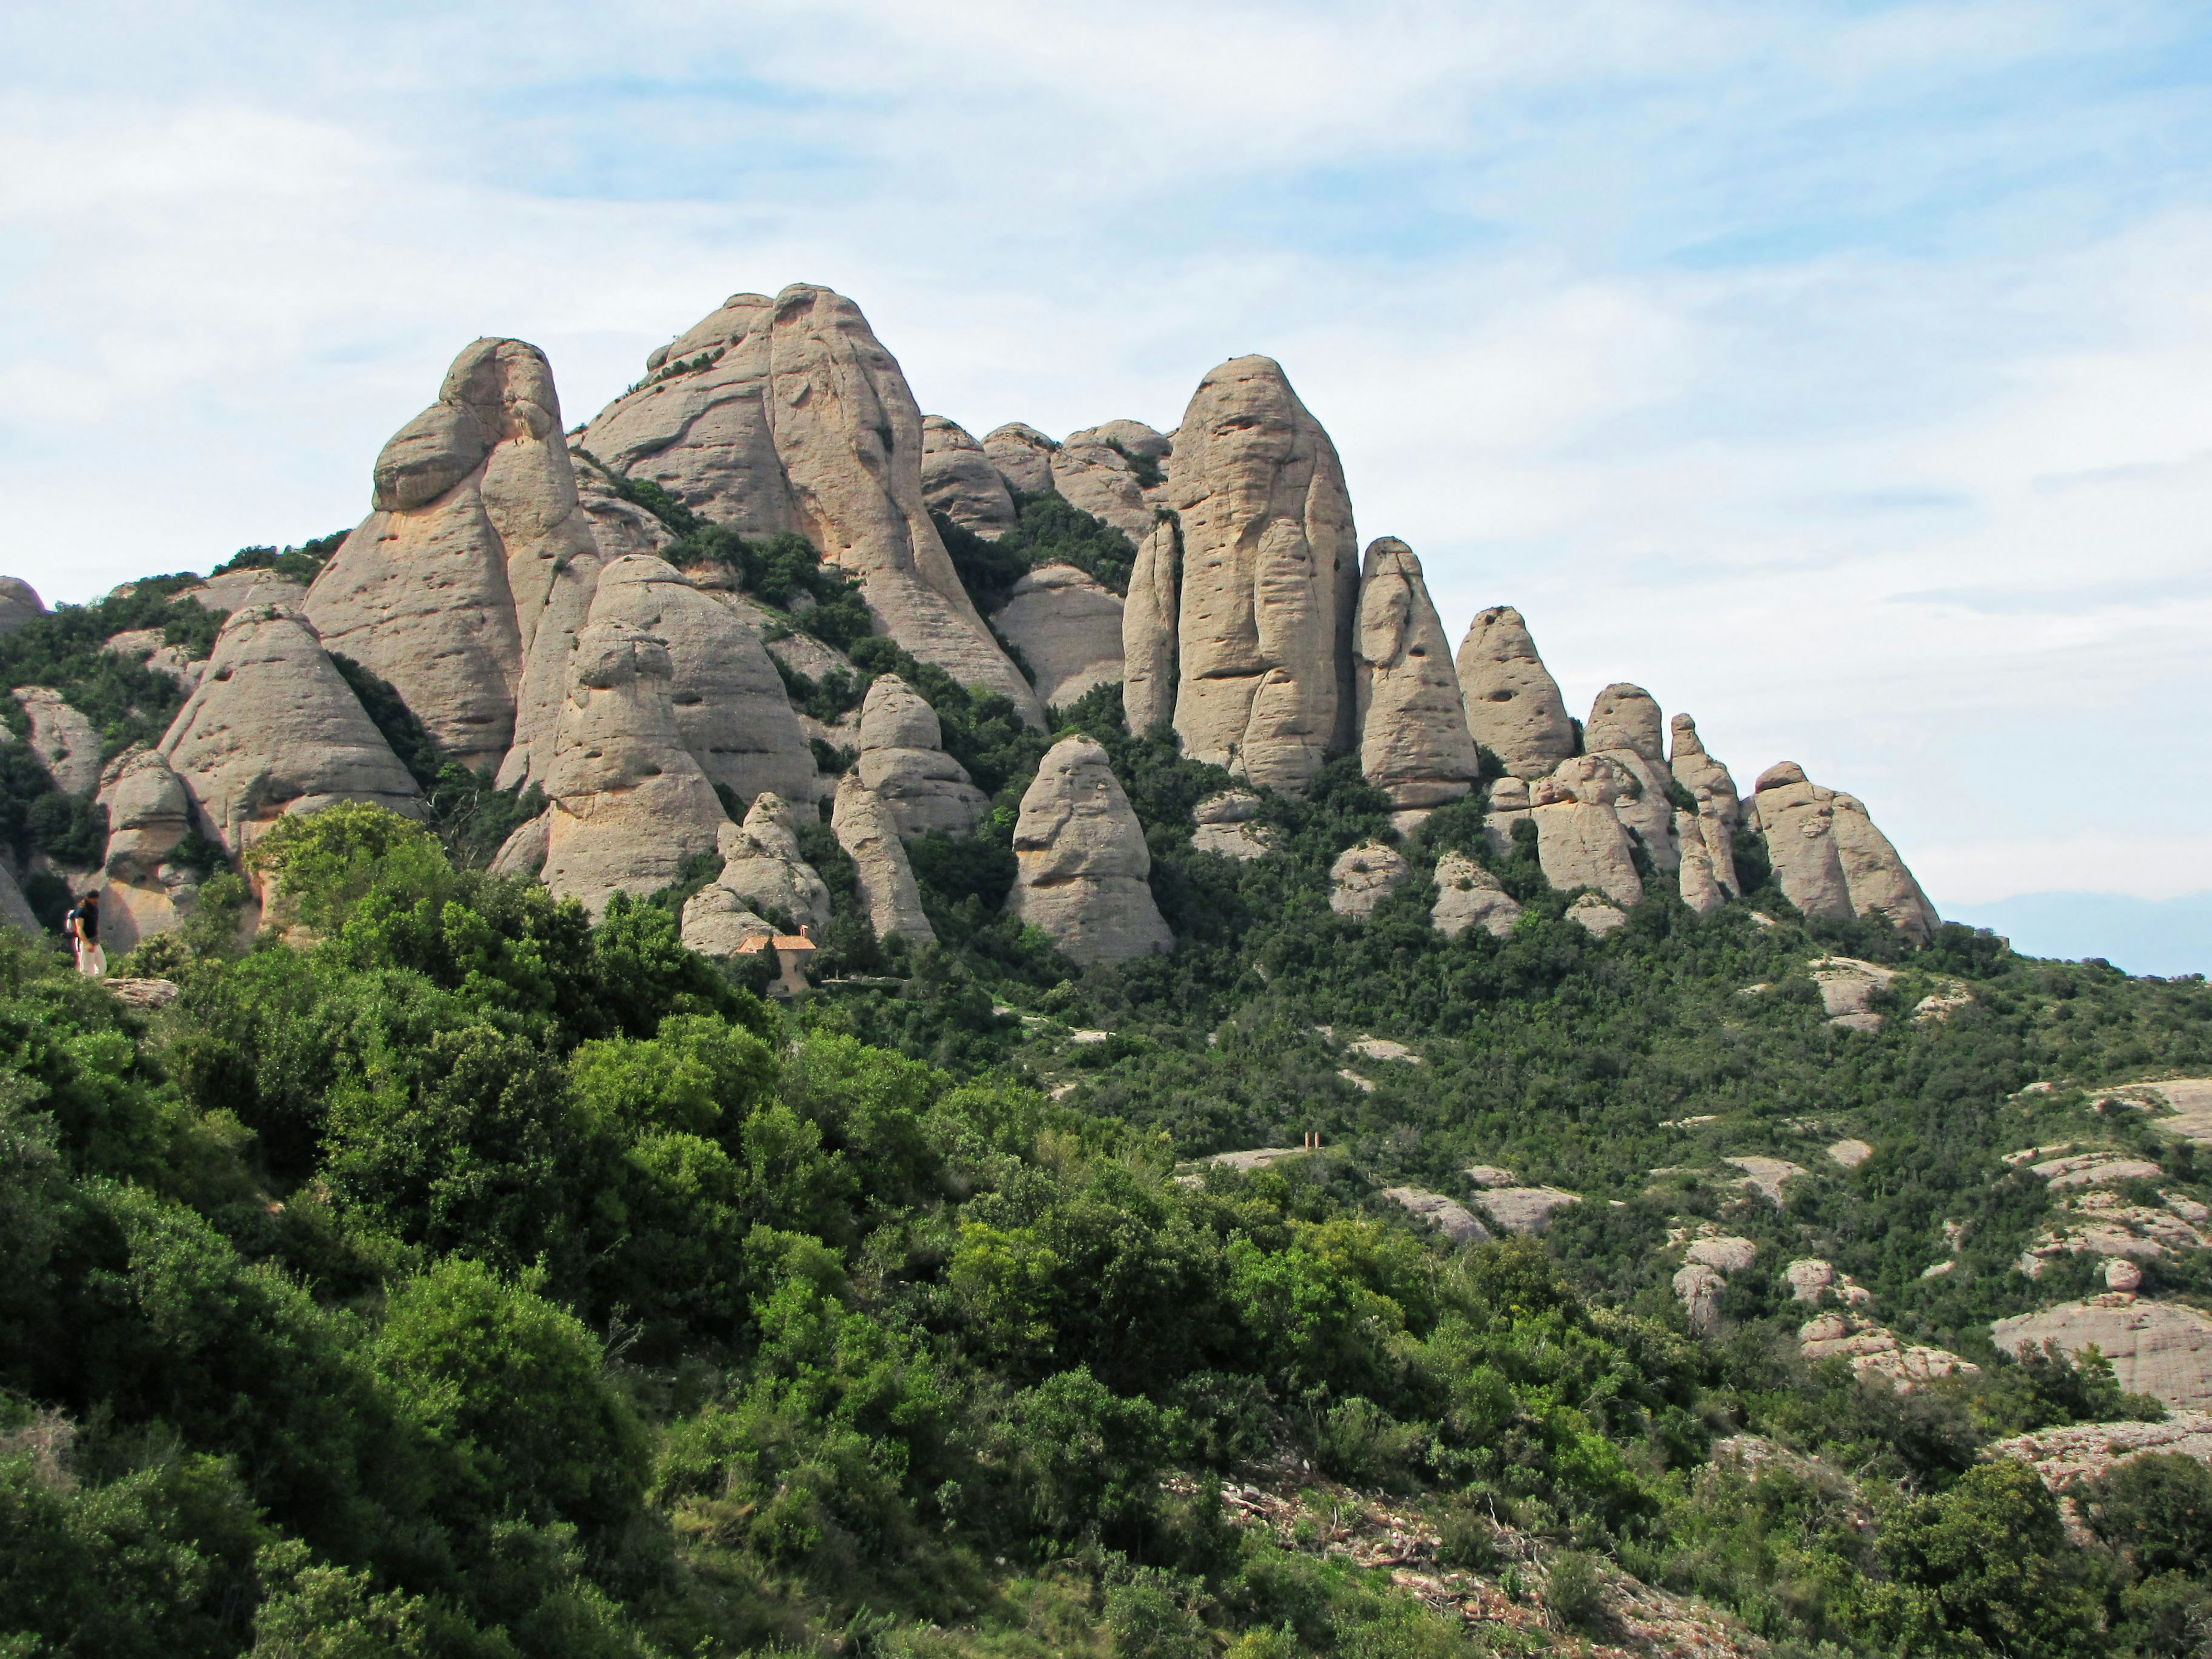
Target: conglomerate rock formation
(542, 604)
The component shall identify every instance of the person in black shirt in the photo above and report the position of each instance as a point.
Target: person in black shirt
(83, 926)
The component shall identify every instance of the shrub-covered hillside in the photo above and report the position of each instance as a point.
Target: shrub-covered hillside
(447, 1275)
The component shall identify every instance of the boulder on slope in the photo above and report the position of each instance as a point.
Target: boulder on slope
(472, 533)
(274, 729)
(789, 415)
(1084, 868)
(1023, 456)
(629, 804)
(958, 480)
(1514, 709)
(1468, 896)
(732, 710)
(1414, 744)
(904, 764)
(868, 832)
(1150, 618)
(64, 740)
(1269, 581)
(1362, 877)
(1067, 628)
(1508, 804)
(1224, 825)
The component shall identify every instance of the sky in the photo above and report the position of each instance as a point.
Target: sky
(1840, 372)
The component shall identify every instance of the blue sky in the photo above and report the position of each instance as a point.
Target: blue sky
(1841, 373)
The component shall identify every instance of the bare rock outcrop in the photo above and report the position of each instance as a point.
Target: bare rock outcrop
(1509, 805)
(629, 804)
(732, 710)
(904, 764)
(788, 414)
(1698, 879)
(19, 603)
(1526, 1210)
(1362, 877)
(1468, 896)
(473, 534)
(763, 870)
(1023, 456)
(2161, 1348)
(14, 910)
(1594, 916)
(619, 528)
(1414, 744)
(1226, 825)
(1067, 628)
(1625, 727)
(1092, 473)
(144, 646)
(1084, 866)
(1448, 1216)
(149, 813)
(1829, 859)
(274, 729)
(233, 589)
(958, 480)
(1270, 578)
(1514, 709)
(1580, 841)
(1719, 809)
(64, 740)
(1626, 717)
(1149, 621)
(869, 832)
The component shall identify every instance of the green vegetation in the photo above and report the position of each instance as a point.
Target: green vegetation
(1047, 530)
(301, 564)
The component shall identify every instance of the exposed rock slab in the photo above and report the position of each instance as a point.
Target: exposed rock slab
(1067, 628)
(1698, 1288)
(1766, 1174)
(1522, 1209)
(1874, 1352)
(234, 589)
(1362, 877)
(14, 910)
(1828, 857)
(1414, 744)
(629, 804)
(1468, 896)
(2159, 1348)
(1580, 841)
(1093, 475)
(732, 711)
(869, 832)
(1226, 825)
(62, 739)
(904, 764)
(1851, 1154)
(274, 729)
(1594, 916)
(1084, 869)
(1718, 809)
(1514, 709)
(19, 603)
(1451, 1218)
(2084, 1451)
(1270, 577)
(958, 480)
(788, 414)
(1508, 804)
(2103, 1224)
(1847, 988)
(1724, 1253)
(1626, 717)
(1697, 878)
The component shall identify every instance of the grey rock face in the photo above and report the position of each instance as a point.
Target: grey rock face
(19, 603)
(1362, 877)
(1149, 619)
(630, 805)
(763, 870)
(1468, 896)
(870, 836)
(732, 710)
(1594, 916)
(474, 521)
(1083, 864)
(1719, 811)
(1626, 717)
(14, 910)
(1448, 1216)
(1224, 825)
(1509, 805)
(64, 741)
(1414, 739)
(1579, 839)
(1699, 877)
(149, 813)
(2161, 1348)
(1514, 709)
(904, 764)
(1068, 629)
(619, 528)
(1093, 475)
(788, 414)
(958, 480)
(274, 729)
(234, 589)
(1270, 578)
(1829, 859)
(1023, 456)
